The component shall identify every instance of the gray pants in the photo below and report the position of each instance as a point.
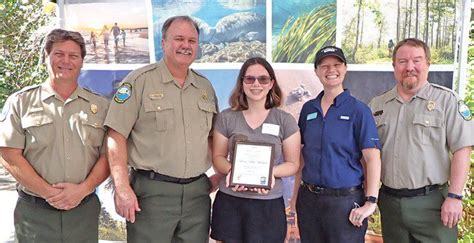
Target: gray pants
(34, 223)
(170, 212)
(415, 219)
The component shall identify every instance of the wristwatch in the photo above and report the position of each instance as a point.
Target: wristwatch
(455, 196)
(371, 199)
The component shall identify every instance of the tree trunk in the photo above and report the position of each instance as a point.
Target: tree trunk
(416, 19)
(427, 23)
(357, 31)
(438, 28)
(398, 21)
(409, 18)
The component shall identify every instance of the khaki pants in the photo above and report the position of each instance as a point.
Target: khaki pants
(170, 213)
(415, 219)
(38, 224)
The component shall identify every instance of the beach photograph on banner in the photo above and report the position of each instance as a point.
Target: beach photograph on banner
(230, 30)
(116, 32)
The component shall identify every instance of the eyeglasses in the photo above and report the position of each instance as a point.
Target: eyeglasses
(261, 79)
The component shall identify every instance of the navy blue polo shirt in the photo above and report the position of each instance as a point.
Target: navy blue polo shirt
(333, 144)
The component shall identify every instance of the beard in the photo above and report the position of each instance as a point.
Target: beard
(409, 84)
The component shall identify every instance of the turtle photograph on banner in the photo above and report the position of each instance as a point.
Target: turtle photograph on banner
(230, 30)
(116, 32)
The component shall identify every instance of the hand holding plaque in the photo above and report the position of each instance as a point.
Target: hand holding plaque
(252, 165)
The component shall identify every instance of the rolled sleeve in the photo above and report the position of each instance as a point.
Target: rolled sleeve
(12, 134)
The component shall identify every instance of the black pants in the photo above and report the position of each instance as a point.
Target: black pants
(325, 218)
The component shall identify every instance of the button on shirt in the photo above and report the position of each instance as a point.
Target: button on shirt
(61, 139)
(166, 126)
(419, 135)
(333, 144)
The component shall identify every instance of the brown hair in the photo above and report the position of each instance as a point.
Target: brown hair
(413, 42)
(238, 99)
(60, 35)
(169, 21)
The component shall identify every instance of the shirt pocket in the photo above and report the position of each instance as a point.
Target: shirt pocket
(93, 131)
(382, 128)
(39, 129)
(163, 112)
(209, 110)
(427, 129)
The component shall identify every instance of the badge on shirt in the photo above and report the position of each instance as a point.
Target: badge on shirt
(94, 108)
(345, 118)
(378, 113)
(431, 105)
(123, 93)
(464, 111)
(156, 96)
(311, 116)
(271, 129)
(204, 94)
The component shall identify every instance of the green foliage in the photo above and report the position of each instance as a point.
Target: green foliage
(300, 38)
(466, 226)
(23, 25)
(110, 229)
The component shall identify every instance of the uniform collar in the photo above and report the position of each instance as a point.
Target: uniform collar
(422, 93)
(167, 77)
(340, 99)
(48, 91)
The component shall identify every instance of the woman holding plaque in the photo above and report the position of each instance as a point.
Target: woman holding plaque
(340, 151)
(245, 211)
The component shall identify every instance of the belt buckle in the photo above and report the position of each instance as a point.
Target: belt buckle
(315, 189)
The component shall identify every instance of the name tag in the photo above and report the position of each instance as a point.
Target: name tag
(312, 116)
(346, 118)
(271, 129)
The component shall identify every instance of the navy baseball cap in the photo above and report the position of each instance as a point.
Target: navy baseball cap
(329, 51)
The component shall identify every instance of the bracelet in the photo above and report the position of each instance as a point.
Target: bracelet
(455, 196)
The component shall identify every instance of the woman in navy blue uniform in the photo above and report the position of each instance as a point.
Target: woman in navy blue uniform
(340, 151)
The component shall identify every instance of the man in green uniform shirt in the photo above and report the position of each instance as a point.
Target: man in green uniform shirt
(51, 140)
(160, 120)
(427, 134)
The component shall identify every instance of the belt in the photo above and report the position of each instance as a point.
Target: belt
(328, 191)
(412, 192)
(152, 175)
(38, 201)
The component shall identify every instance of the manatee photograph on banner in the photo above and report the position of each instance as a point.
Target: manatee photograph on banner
(230, 30)
(116, 32)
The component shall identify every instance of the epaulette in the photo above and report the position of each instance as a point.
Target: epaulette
(198, 74)
(443, 88)
(133, 75)
(91, 91)
(24, 89)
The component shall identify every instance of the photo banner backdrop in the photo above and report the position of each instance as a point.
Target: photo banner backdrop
(122, 35)
(286, 33)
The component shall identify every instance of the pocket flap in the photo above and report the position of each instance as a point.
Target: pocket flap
(157, 105)
(35, 121)
(207, 106)
(427, 121)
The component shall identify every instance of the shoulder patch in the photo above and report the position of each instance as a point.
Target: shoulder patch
(464, 111)
(123, 93)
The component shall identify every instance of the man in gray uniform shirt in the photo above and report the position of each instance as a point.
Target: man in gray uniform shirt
(427, 135)
(51, 140)
(160, 121)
